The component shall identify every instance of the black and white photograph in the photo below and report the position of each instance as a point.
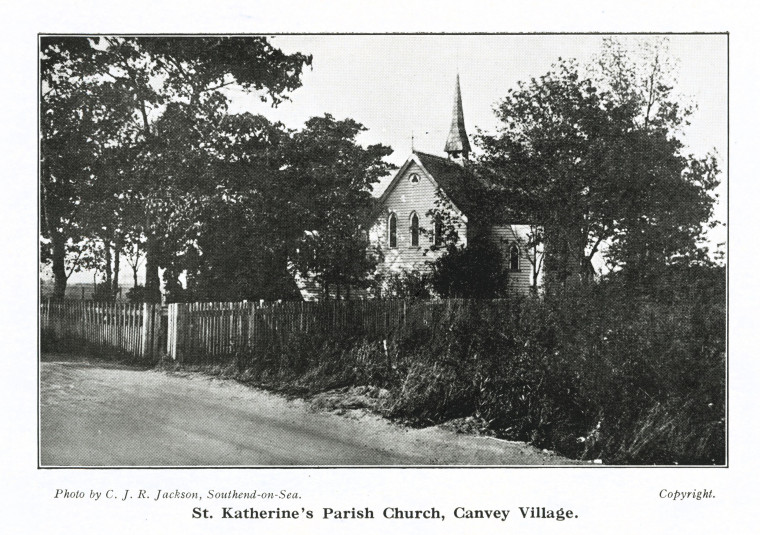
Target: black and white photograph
(413, 267)
(360, 250)
(357, 250)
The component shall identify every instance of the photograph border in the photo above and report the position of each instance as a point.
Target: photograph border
(726, 174)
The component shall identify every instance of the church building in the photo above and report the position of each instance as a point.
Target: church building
(406, 231)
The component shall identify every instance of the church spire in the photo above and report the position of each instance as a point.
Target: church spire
(457, 143)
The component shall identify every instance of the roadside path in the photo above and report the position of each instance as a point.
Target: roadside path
(98, 414)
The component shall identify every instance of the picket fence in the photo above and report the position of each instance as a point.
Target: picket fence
(214, 332)
(133, 329)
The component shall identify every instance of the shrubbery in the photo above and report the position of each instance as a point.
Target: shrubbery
(591, 372)
(476, 271)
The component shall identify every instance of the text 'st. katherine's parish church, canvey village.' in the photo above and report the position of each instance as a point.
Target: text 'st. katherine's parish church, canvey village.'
(406, 231)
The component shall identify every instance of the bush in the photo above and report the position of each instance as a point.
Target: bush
(476, 271)
(590, 371)
(412, 284)
(103, 292)
(136, 294)
(583, 372)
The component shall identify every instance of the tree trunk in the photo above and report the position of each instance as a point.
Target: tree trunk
(59, 266)
(109, 278)
(152, 279)
(564, 255)
(116, 268)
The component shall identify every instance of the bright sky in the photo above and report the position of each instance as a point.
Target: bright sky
(397, 85)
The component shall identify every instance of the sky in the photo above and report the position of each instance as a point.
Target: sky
(399, 86)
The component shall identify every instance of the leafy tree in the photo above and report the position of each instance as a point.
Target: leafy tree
(177, 77)
(674, 205)
(597, 160)
(334, 174)
(133, 254)
(284, 196)
(247, 221)
(80, 120)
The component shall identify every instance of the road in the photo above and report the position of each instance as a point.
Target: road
(96, 414)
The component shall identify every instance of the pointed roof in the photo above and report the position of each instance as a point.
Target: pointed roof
(457, 141)
(456, 181)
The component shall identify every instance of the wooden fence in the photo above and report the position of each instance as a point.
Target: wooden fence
(214, 332)
(134, 329)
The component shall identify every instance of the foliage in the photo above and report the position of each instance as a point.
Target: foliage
(282, 195)
(136, 294)
(592, 372)
(243, 255)
(80, 121)
(597, 158)
(407, 284)
(146, 81)
(103, 292)
(335, 174)
(475, 271)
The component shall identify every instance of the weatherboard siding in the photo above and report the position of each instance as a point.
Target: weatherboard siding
(405, 199)
(504, 237)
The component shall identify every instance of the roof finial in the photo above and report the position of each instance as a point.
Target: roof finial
(457, 143)
(412, 139)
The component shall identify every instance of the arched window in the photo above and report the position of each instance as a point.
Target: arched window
(415, 230)
(438, 233)
(392, 231)
(514, 258)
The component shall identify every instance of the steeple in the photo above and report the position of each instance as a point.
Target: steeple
(457, 144)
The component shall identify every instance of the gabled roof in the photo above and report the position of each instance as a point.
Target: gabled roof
(470, 193)
(434, 167)
(458, 182)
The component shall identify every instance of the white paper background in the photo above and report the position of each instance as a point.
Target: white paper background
(608, 500)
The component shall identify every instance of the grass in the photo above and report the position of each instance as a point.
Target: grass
(590, 373)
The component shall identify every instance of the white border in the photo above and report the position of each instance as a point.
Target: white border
(608, 500)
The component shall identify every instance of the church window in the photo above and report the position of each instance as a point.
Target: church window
(514, 258)
(392, 231)
(415, 230)
(414, 178)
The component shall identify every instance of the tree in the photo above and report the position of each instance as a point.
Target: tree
(80, 120)
(247, 222)
(134, 257)
(184, 75)
(284, 197)
(335, 175)
(594, 162)
(674, 207)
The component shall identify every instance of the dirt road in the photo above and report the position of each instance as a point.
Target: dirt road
(94, 414)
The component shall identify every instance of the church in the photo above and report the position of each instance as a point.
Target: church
(405, 230)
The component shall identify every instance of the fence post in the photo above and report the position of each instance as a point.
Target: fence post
(177, 331)
(171, 331)
(147, 330)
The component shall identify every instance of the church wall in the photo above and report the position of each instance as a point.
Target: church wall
(504, 236)
(403, 200)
